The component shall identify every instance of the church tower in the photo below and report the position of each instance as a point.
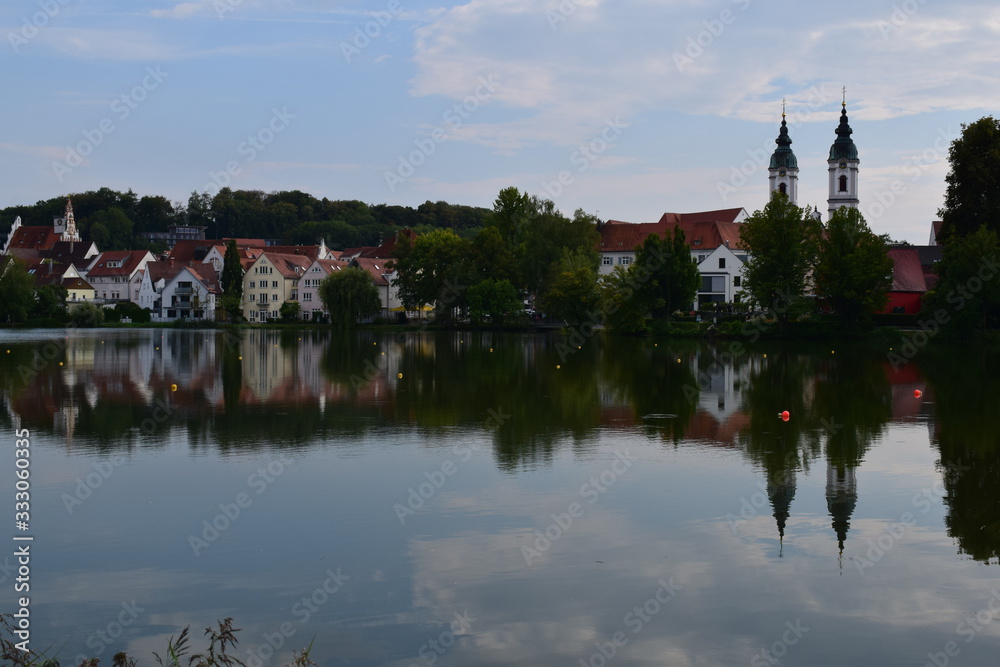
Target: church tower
(784, 169)
(69, 233)
(843, 166)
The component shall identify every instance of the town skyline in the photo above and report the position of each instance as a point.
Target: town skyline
(624, 111)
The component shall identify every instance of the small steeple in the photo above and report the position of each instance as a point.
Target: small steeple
(843, 147)
(783, 171)
(843, 166)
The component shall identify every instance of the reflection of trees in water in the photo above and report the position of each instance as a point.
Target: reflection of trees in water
(965, 384)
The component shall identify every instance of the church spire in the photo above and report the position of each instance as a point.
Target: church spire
(69, 233)
(843, 165)
(783, 171)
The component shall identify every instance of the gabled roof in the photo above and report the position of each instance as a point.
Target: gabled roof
(163, 270)
(375, 267)
(204, 273)
(703, 231)
(289, 266)
(310, 251)
(130, 259)
(35, 237)
(191, 250)
(331, 265)
(388, 249)
(907, 273)
(78, 253)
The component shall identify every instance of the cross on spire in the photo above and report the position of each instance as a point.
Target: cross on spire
(782, 108)
(844, 90)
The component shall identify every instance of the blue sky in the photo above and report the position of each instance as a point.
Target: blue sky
(625, 109)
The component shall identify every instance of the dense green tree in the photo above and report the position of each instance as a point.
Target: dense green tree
(968, 292)
(572, 293)
(156, 213)
(492, 300)
(666, 279)
(782, 242)
(87, 314)
(50, 303)
(349, 296)
(549, 238)
(289, 311)
(624, 311)
(973, 195)
(434, 269)
(111, 229)
(17, 291)
(853, 270)
(232, 282)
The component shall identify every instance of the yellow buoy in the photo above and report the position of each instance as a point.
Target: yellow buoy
(240, 359)
(60, 363)
(399, 375)
(173, 387)
(765, 356)
(558, 366)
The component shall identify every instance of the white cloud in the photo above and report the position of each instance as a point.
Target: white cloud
(180, 11)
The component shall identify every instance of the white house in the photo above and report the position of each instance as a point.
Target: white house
(116, 275)
(311, 306)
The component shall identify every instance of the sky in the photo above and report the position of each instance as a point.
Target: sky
(625, 109)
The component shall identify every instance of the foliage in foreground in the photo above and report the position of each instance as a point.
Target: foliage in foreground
(221, 641)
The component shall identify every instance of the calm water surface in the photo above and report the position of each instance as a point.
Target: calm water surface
(483, 499)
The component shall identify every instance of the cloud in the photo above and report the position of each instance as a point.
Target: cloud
(180, 11)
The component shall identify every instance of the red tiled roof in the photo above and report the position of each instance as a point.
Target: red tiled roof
(310, 251)
(388, 249)
(35, 237)
(907, 273)
(163, 270)
(287, 264)
(375, 267)
(331, 265)
(193, 250)
(207, 275)
(130, 262)
(700, 232)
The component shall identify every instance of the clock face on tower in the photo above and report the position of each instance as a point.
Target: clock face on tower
(843, 165)
(781, 172)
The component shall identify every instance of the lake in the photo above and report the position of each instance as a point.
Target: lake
(452, 498)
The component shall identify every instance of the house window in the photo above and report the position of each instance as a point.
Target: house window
(722, 262)
(274, 297)
(253, 297)
(253, 315)
(253, 284)
(624, 261)
(295, 295)
(307, 296)
(607, 261)
(737, 281)
(843, 183)
(274, 285)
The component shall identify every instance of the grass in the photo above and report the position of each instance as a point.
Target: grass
(221, 640)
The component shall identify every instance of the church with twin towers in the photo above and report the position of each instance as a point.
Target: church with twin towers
(842, 166)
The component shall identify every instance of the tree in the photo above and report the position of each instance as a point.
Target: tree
(572, 294)
(111, 229)
(87, 314)
(289, 311)
(232, 282)
(349, 296)
(781, 241)
(968, 292)
(973, 195)
(434, 269)
(664, 276)
(492, 299)
(854, 270)
(624, 311)
(17, 291)
(50, 303)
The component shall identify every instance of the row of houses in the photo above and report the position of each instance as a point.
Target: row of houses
(185, 283)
